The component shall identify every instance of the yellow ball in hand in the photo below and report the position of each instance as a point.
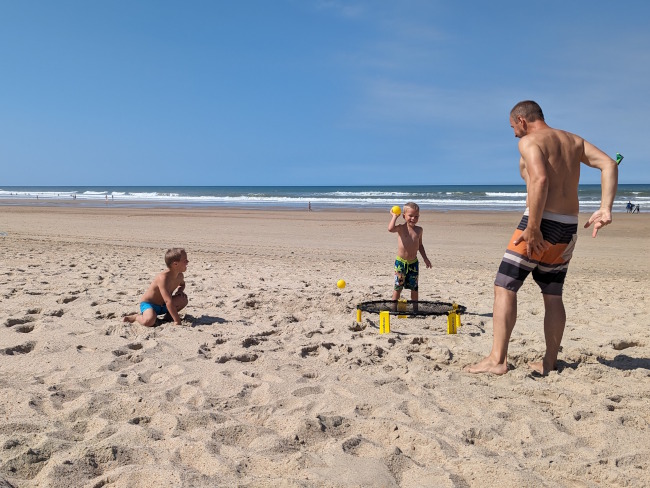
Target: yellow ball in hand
(340, 284)
(396, 210)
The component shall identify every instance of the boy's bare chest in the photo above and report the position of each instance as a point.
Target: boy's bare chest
(410, 235)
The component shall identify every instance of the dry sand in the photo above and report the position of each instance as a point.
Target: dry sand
(267, 383)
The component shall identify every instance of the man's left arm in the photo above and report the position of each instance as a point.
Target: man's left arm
(595, 158)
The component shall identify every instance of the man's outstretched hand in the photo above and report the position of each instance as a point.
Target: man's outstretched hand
(600, 218)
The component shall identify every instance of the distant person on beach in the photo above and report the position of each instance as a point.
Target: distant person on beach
(165, 295)
(545, 238)
(409, 242)
(637, 208)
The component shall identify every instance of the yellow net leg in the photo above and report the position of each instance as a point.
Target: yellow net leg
(401, 307)
(384, 322)
(451, 323)
(358, 315)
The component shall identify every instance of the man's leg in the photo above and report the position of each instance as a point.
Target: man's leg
(554, 322)
(504, 317)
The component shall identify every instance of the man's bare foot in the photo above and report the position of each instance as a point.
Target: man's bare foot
(130, 318)
(487, 365)
(538, 367)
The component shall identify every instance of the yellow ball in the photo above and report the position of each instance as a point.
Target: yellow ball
(396, 210)
(340, 284)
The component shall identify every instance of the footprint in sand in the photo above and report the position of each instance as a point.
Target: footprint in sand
(350, 446)
(19, 349)
(125, 357)
(324, 426)
(66, 300)
(624, 344)
(59, 397)
(306, 391)
(24, 329)
(106, 316)
(251, 341)
(309, 351)
(244, 358)
(205, 351)
(28, 464)
(12, 322)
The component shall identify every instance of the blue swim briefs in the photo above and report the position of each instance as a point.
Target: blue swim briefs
(159, 309)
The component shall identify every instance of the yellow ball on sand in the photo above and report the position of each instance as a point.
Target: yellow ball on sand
(340, 284)
(396, 210)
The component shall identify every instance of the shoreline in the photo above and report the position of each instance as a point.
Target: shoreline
(507, 197)
(80, 203)
(136, 204)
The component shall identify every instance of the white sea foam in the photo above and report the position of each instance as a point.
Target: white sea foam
(435, 198)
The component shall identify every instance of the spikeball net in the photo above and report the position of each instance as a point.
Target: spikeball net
(400, 307)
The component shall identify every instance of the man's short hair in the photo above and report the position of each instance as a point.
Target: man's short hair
(527, 109)
(413, 206)
(173, 255)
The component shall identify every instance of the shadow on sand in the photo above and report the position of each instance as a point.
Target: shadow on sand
(194, 321)
(626, 363)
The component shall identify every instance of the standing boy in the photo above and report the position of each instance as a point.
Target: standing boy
(409, 242)
(165, 294)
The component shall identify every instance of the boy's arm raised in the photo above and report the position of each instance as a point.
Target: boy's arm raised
(391, 225)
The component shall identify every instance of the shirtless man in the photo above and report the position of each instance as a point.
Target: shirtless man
(544, 240)
(160, 298)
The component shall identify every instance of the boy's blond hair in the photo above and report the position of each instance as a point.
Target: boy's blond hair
(173, 255)
(412, 206)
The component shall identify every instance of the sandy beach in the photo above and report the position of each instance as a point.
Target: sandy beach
(270, 382)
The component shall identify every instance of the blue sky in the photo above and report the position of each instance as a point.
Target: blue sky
(312, 92)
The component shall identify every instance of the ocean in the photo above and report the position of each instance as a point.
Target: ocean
(434, 197)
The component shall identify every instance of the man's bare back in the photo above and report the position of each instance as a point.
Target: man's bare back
(561, 153)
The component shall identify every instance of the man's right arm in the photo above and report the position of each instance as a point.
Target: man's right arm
(536, 178)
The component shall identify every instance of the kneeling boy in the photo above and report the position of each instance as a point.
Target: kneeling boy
(165, 294)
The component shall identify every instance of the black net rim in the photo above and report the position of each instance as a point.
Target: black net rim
(424, 307)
